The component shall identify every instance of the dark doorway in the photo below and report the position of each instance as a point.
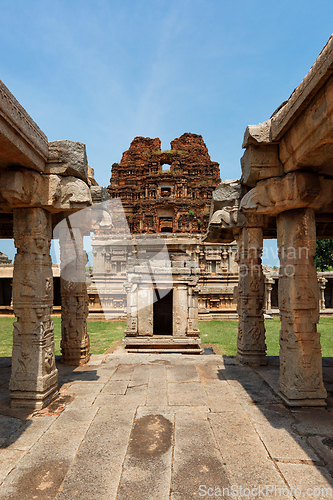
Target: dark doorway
(163, 315)
(5, 291)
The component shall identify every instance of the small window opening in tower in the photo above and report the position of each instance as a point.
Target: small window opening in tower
(165, 191)
(165, 168)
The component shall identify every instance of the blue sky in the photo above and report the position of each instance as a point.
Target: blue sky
(104, 71)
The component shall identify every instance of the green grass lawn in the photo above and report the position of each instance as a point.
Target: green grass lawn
(224, 335)
(102, 334)
(221, 333)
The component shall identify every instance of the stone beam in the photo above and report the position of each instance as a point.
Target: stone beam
(23, 188)
(224, 212)
(309, 142)
(68, 158)
(294, 190)
(22, 141)
(260, 162)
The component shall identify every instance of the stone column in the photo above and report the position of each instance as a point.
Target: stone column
(322, 285)
(269, 282)
(180, 310)
(132, 309)
(301, 382)
(74, 298)
(192, 324)
(34, 378)
(251, 347)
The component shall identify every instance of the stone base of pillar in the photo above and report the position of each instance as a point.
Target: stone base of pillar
(36, 399)
(251, 358)
(308, 402)
(75, 355)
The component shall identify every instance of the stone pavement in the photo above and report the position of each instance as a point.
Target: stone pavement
(140, 426)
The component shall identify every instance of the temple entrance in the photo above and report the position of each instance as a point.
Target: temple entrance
(162, 315)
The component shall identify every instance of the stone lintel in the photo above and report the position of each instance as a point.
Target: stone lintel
(279, 194)
(260, 162)
(67, 158)
(22, 141)
(257, 134)
(23, 188)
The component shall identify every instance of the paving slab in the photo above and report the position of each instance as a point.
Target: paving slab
(157, 386)
(147, 468)
(186, 393)
(115, 387)
(247, 461)
(283, 444)
(84, 393)
(140, 375)
(318, 421)
(8, 426)
(197, 459)
(95, 473)
(30, 432)
(8, 460)
(163, 426)
(182, 374)
(307, 481)
(40, 473)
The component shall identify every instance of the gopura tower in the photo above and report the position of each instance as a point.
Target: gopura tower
(166, 191)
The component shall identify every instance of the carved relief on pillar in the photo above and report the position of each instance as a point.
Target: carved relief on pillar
(300, 352)
(251, 347)
(74, 299)
(34, 375)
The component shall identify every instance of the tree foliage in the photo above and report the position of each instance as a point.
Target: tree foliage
(323, 259)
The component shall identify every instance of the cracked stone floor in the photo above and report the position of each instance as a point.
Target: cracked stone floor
(147, 426)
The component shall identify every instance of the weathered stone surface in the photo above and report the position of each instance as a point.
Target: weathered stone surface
(74, 298)
(278, 194)
(251, 347)
(34, 375)
(26, 188)
(260, 163)
(158, 200)
(301, 381)
(257, 134)
(67, 158)
(22, 141)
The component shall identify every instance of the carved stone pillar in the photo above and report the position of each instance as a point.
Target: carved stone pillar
(251, 347)
(34, 378)
(74, 298)
(322, 285)
(269, 282)
(301, 382)
(132, 309)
